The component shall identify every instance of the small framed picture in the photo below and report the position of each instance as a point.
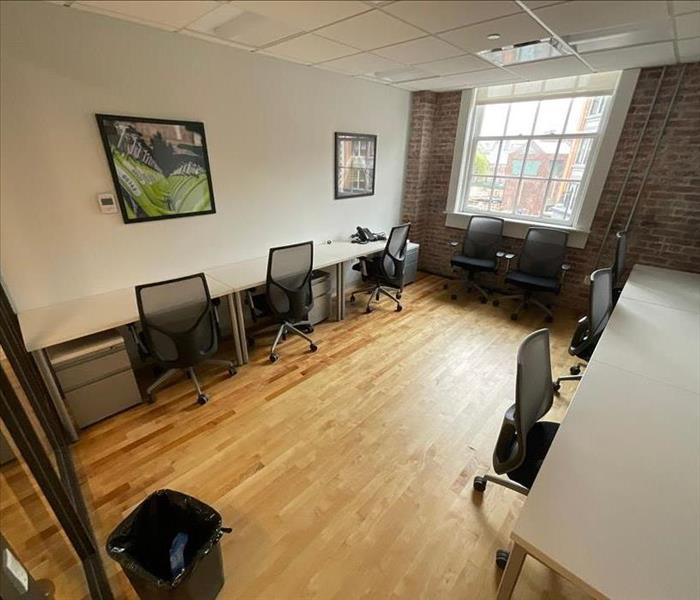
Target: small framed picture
(355, 161)
(160, 167)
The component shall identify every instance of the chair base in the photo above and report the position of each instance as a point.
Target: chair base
(526, 298)
(481, 480)
(202, 398)
(285, 328)
(378, 290)
(470, 284)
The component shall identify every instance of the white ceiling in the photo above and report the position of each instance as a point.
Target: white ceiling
(432, 44)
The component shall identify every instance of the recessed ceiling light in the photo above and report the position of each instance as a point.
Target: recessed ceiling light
(493, 36)
(525, 52)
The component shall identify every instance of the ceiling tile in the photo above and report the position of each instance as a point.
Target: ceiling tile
(689, 50)
(549, 69)
(305, 15)
(590, 15)
(309, 49)
(440, 15)
(459, 64)
(688, 25)
(207, 37)
(402, 74)
(419, 51)
(627, 35)
(679, 7)
(361, 64)
(513, 30)
(467, 80)
(535, 4)
(174, 15)
(646, 55)
(370, 30)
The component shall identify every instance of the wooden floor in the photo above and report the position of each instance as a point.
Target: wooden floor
(344, 474)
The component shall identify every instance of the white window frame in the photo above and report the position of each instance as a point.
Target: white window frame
(591, 185)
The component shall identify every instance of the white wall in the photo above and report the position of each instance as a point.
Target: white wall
(269, 127)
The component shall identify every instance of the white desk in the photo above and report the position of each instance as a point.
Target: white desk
(616, 505)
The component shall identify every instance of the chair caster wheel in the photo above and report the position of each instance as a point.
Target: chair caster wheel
(575, 370)
(313, 347)
(284, 337)
(549, 318)
(483, 300)
(368, 310)
(399, 308)
(556, 387)
(496, 302)
(479, 484)
(502, 558)
(513, 317)
(445, 286)
(398, 295)
(202, 399)
(232, 371)
(352, 299)
(150, 399)
(274, 357)
(454, 296)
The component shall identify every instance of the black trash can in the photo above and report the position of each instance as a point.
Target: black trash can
(169, 548)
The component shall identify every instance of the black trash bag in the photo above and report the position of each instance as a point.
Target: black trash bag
(165, 542)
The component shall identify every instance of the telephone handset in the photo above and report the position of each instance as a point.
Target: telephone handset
(364, 235)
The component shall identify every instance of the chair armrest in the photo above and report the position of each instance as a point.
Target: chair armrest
(580, 340)
(140, 346)
(565, 268)
(507, 255)
(453, 244)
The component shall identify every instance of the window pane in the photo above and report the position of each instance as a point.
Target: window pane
(479, 192)
(561, 197)
(521, 119)
(511, 159)
(505, 191)
(485, 157)
(540, 157)
(570, 152)
(531, 199)
(586, 114)
(552, 116)
(493, 119)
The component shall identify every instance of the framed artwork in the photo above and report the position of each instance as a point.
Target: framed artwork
(160, 167)
(355, 161)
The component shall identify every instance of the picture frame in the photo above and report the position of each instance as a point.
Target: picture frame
(354, 169)
(160, 167)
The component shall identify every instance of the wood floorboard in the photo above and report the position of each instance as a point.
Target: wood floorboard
(345, 473)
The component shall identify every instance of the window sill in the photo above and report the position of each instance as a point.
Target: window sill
(517, 228)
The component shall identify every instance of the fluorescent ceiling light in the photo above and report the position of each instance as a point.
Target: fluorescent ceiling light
(525, 52)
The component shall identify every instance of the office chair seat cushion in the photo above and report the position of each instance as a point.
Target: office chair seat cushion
(539, 439)
(533, 282)
(474, 264)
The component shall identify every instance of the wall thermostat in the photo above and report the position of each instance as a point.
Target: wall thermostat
(107, 203)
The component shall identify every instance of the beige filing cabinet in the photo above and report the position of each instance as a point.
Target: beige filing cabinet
(321, 292)
(95, 376)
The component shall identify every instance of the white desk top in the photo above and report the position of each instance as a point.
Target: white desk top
(675, 289)
(57, 323)
(616, 504)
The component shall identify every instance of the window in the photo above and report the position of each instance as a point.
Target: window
(529, 158)
(354, 164)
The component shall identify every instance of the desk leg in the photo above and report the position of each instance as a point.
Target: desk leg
(241, 326)
(340, 291)
(235, 329)
(512, 572)
(42, 363)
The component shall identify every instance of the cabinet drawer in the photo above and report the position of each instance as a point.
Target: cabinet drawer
(92, 369)
(320, 286)
(321, 309)
(103, 398)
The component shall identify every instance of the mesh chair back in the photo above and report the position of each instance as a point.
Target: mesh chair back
(289, 280)
(601, 301)
(394, 255)
(483, 237)
(177, 319)
(544, 252)
(620, 252)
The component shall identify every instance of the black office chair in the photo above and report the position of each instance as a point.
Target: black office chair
(541, 268)
(480, 252)
(180, 328)
(590, 327)
(288, 291)
(618, 266)
(524, 440)
(385, 272)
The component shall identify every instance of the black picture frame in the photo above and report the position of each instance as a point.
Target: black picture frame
(165, 158)
(339, 138)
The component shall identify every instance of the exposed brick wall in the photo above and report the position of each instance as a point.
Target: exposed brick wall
(666, 227)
